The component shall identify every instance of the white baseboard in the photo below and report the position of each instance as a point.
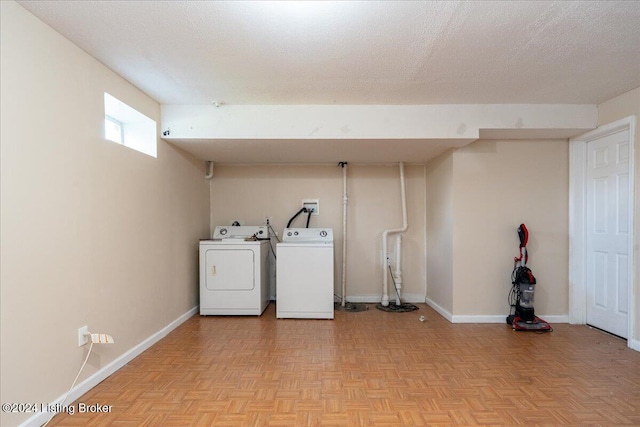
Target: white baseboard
(557, 318)
(106, 371)
(474, 318)
(502, 318)
(440, 310)
(375, 299)
(499, 318)
(633, 344)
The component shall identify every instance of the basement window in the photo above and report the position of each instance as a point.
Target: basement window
(113, 129)
(129, 127)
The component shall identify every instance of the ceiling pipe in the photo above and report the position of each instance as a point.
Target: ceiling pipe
(385, 234)
(209, 174)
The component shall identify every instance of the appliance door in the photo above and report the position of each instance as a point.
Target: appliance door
(229, 269)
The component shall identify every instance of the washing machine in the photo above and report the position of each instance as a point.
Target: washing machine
(304, 274)
(234, 271)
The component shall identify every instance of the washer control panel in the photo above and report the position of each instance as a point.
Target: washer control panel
(308, 235)
(240, 232)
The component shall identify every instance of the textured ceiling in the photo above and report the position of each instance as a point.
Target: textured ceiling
(196, 52)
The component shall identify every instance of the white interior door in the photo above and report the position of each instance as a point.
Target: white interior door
(608, 218)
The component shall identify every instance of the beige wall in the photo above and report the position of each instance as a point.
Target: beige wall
(249, 193)
(625, 105)
(93, 233)
(439, 177)
(497, 186)
(477, 196)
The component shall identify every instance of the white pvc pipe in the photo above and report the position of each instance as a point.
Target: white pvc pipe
(397, 276)
(344, 234)
(385, 233)
(209, 174)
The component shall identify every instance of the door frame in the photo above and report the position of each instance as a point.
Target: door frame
(577, 222)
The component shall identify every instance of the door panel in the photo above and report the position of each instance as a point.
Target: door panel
(608, 225)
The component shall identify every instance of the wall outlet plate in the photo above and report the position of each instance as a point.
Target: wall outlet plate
(312, 204)
(83, 337)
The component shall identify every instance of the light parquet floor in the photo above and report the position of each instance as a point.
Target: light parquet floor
(370, 368)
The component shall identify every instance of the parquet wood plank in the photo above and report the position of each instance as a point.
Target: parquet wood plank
(370, 369)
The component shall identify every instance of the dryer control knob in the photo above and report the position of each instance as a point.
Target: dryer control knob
(295, 233)
(223, 231)
(323, 233)
(289, 233)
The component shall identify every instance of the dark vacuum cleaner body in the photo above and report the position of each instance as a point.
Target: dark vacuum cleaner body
(522, 316)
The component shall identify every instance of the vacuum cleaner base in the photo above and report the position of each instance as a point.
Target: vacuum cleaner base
(535, 325)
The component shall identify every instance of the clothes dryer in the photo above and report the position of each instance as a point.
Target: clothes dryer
(234, 271)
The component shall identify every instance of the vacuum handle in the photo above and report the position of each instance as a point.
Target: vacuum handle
(523, 233)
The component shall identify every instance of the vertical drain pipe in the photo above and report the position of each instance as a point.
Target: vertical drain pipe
(385, 233)
(397, 275)
(344, 232)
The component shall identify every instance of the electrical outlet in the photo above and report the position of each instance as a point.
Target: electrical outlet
(83, 337)
(267, 220)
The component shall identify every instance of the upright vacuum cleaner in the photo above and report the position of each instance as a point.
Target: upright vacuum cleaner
(522, 315)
